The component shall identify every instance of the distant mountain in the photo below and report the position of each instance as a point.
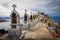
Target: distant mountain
(8, 18)
(4, 21)
(4, 17)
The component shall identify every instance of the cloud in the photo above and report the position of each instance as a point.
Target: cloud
(47, 6)
(54, 7)
(4, 11)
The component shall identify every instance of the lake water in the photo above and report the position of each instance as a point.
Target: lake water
(56, 19)
(6, 25)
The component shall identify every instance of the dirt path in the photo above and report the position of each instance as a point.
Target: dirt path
(40, 32)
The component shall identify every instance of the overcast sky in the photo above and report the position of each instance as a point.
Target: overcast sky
(47, 6)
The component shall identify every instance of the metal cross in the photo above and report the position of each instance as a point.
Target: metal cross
(25, 11)
(31, 13)
(14, 6)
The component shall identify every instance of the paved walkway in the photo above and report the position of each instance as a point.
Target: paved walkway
(40, 32)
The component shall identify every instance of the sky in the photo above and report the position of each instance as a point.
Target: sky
(51, 7)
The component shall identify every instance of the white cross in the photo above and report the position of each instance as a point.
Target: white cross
(14, 6)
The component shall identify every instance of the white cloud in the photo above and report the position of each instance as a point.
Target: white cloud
(4, 11)
(30, 5)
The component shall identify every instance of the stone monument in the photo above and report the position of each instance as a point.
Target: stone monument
(15, 31)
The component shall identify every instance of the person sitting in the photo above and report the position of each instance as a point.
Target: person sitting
(56, 33)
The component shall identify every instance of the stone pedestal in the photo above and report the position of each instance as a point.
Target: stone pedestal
(15, 33)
